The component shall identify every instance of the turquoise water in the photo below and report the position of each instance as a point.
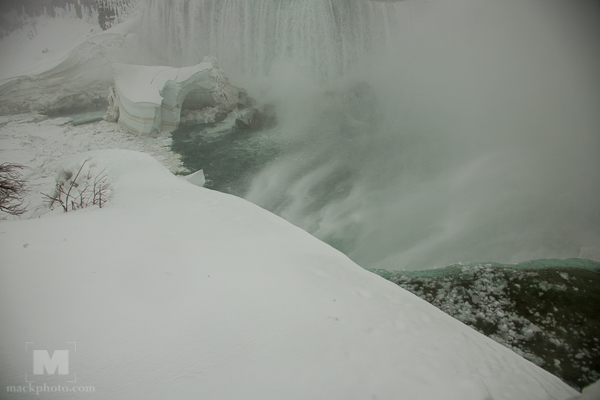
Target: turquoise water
(544, 309)
(420, 137)
(229, 156)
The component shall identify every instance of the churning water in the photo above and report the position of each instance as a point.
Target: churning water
(415, 134)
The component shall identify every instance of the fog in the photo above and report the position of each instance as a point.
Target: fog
(417, 133)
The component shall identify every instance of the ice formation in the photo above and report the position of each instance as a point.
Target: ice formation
(150, 99)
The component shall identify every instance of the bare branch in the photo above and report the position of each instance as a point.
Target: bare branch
(12, 189)
(71, 200)
(74, 183)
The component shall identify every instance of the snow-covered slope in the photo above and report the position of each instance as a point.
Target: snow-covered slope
(42, 44)
(41, 144)
(61, 64)
(172, 291)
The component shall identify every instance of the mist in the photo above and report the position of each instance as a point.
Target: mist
(418, 134)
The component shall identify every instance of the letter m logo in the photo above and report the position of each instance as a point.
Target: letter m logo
(59, 360)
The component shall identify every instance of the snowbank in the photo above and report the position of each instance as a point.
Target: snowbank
(66, 65)
(175, 291)
(148, 99)
(43, 43)
(80, 81)
(41, 144)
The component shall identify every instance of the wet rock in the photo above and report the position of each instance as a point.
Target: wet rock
(242, 99)
(250, 118)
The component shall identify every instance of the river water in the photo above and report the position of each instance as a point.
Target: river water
(409, 134)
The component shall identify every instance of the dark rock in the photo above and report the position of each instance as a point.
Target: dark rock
(220, 116)
(242, 99)
(250, 118)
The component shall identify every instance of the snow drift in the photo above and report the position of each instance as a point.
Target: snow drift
(176, 291)
(62, 66)
(80, 81)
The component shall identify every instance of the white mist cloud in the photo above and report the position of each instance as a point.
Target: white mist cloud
(487, 149)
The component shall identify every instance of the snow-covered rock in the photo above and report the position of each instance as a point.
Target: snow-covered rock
(176, 291)
(151, 98)
(591, 392)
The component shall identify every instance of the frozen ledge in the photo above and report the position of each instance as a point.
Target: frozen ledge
(149, 99)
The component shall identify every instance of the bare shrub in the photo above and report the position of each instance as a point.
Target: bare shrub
(12, 189)
(72, 194)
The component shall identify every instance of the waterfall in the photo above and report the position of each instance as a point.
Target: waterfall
(416, 134)
(324, 36)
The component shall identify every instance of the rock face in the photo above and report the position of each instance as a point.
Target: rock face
(250, 118)
(149, 100)
(253, 118)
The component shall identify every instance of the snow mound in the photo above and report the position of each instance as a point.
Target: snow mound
(43, 43)
(64, 67)
(176, 291)
(148, 99)
(41, 144)
(80, 81)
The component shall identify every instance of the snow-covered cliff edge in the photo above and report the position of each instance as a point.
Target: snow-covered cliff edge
(175, 291)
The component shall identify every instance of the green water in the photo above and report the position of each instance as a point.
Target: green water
(228, 154)
(545, 310)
